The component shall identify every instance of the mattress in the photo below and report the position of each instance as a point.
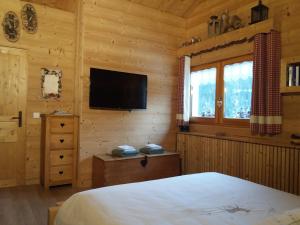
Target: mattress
(198, 199)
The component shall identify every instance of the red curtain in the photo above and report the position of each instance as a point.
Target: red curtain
(266, 102)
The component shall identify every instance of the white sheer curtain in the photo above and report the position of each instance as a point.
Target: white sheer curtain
(237, 90)
(198, 78)
(183, 94)
(238, 71)
(187, 89)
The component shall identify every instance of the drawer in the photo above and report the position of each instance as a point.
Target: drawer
(61, 141)
(61, 157)
(62, 125)
(60, 173)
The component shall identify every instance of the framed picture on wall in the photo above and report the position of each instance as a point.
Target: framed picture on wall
(51, 83)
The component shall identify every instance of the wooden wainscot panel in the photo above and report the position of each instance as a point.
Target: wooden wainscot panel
(181, 149)
(268, 164)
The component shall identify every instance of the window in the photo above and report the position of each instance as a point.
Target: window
(221, 92)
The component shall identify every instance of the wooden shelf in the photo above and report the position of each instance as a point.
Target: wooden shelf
(245, 32)
(290, 90)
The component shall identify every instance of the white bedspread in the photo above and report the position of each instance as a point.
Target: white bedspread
(199, 199)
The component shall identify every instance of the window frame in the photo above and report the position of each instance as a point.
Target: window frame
(219, 112)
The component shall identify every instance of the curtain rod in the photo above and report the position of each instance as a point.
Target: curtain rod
(226, 45)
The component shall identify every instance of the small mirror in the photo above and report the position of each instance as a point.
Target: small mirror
(51, 83)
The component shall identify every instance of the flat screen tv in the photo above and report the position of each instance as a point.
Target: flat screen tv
(117, 90)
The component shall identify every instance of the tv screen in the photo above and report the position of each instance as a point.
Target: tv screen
(117, 90)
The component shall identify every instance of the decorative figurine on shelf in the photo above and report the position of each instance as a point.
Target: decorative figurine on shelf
(225, 22)
(259, 13)
(235, 22)
(214, 26)
(192, 41)
(223, 25)
(230, 23)
(195, 40)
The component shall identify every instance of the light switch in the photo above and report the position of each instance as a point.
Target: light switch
(36, 115)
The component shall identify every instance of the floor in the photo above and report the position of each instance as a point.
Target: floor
(28, 205)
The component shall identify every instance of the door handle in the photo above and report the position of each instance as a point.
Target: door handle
(18, 118)
(219, 102)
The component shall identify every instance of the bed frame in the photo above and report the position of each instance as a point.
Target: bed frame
(52, 211)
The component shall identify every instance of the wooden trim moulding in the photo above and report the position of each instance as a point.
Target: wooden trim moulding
(254, 139)
(236, 35)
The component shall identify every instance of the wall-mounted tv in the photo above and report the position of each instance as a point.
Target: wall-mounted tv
(117, 90)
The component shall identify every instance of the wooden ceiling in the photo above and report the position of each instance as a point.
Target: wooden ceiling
(180, 8)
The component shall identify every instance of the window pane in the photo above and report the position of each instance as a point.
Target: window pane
(238, 90)
(203, 93)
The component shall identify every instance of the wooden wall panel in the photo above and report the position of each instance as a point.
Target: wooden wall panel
(52, 46)
(286, 18)
(68, 5)
(176, 7)
(129, 37)
(269, 165)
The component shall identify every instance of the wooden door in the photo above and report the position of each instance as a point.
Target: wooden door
(13, 87)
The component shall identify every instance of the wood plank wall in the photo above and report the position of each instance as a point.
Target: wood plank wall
(286, 16)
(124, 36)
(52, 46)
(269, 165)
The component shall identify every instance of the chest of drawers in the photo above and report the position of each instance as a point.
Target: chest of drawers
(59, 147)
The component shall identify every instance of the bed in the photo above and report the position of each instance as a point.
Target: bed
(198, 199)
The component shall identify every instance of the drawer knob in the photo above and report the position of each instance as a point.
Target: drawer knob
(61, 172)
(61, 156)
(62, 125)
(61, 140)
